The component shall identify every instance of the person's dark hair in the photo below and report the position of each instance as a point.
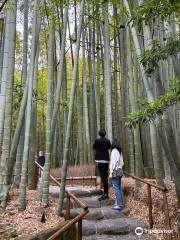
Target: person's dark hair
(115, 145)
(102, 132)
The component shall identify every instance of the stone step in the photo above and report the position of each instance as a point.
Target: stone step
(86, 192)
(77, 191)
(90, 202)
(109, 227)
(103, 223)
(101, 213)
(130, 236)
(116, 226)
(93, 202)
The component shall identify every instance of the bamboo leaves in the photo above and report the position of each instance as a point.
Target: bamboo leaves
(149, 10)
(150, 58)
(150, 111)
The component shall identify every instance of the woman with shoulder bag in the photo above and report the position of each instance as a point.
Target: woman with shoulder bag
(116, 172)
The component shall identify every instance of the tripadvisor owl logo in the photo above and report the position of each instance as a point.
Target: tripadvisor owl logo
(139, 231)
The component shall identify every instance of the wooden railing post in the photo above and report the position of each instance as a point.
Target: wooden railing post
(79, 230)
(150, 206)
(96, 182)
(101, 184)
(83, 182)
(68, 203)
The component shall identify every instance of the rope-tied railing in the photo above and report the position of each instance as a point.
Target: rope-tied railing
(77, 219)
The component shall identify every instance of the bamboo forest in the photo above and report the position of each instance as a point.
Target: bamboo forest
(74, 75)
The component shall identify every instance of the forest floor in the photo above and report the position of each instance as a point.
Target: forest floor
(14, 223)
(29, 222)
(137, 201)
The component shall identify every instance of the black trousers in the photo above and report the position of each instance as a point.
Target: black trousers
(103, 172)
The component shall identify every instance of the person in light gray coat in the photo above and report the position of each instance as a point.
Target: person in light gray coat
(116, 161)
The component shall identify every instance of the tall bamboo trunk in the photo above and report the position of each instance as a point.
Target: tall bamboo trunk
(64, 99)
(107, 72)
(53, 119)
(123, 87)
(80, 124)
(2, 35)
(70, 113)
(98, 80)
(35, 34)
(156, 88)
(115, 116)
(61, 74)
(85, 103)
(20, 147)
(19, 157)
(136, 166)
(9, 102)
(4, 76)
(33, 140)
(92, 105)
(49, 140)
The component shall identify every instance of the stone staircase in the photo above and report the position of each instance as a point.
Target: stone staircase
(103, 223)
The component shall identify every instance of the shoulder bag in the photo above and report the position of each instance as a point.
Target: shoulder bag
(117, 172)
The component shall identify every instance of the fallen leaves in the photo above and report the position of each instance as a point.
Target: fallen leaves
(28, 221)
(137, 201)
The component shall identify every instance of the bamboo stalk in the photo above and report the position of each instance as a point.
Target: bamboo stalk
(150, 206)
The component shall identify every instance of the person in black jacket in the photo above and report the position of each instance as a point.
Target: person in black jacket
(41, 161)
(101, 146)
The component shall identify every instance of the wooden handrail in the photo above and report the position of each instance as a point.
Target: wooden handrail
(164, 190)
(53, 178)
(77, 219)
(83, 179)
(3, 4)
(82, 205)
(79, 178)
(69, 224)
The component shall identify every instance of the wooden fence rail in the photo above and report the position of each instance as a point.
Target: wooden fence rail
(165, 202)
(77, 219)
(72, 180)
